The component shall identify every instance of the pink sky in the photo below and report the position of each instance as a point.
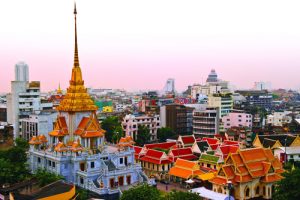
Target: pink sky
(138, 45)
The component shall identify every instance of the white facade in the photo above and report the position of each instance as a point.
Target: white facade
(23, 100)
(260, 85)
(206, 121)
(279, 118)
(38, 124)
(292, 153)
(21, 72)
(131, 123)
(223, 102)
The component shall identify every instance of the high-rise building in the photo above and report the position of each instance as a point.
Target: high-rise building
(206, 122)
(177, 117)
(169, 87)
(21, 72)
(75, 148)
(222, 101)
(24, 99)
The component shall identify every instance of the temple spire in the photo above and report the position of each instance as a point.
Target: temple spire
(76, 58)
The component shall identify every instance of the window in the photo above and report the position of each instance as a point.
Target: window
(121, 161)
(39, 160)
(92, 164)
(81, 181)
(208, 165)
(257, 190)
(49, 163)
(53, 164)
(291, 156)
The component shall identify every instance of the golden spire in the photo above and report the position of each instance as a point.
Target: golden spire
(76, 99)
(76, 58)
(59, 91)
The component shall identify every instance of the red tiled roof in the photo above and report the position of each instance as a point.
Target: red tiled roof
(155, 157)
(164, 145)
(183, 153)
(226, 149)
(228, 142)
(188, 139)
(210, 140)
(214, 146)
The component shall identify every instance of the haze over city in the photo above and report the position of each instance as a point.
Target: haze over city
(139, 45)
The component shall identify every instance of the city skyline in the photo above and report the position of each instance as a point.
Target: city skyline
(133, 53)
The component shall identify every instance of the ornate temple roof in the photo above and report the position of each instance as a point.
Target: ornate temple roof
(60, 128)
(89, 127)
(248, 164)
(77, 98)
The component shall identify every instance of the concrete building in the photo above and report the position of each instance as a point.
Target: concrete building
(169, 88)
(206, 121)
(177, 117)
(76, 149)
(260, 85)
(222, 101)
(40, 122)
(3, 112)
(131, 125)
(24, 99)
(21, 72)
(279, 118)
(213, 85)
(260, 98)
(237, 118)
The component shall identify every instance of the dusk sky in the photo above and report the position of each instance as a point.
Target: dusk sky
(137, 44)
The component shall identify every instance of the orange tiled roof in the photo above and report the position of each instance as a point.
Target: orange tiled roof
(34, 141)
(89, 127)
(248, 164)
(42, 139)
(60, 128)
(60, 147)
(185, 169)
(126, 141)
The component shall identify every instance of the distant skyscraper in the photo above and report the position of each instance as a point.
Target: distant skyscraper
(170, 86)
(21, 72)
(262, 85)
(212, 77)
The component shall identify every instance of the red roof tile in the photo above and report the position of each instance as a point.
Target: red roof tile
(188, 139)
(164, 145)
(210, 140)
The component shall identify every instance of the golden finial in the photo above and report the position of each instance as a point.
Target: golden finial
(76, 58)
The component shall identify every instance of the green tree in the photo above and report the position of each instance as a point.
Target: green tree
(165, 133)
(288, 188)
(44, 177)
(141, 192)
(117, 134)
(179, 195)
(110, 125)
(7, 174)
(143, 135)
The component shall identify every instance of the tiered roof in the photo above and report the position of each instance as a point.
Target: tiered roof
(77, 98)
(36, 140)
(187, 140)
(183, 153)
(163, 145)
(89, 127)
(211, 141)
(249, 164)
(60, 128)
(156, 157)
(185, 169)
(126, 141)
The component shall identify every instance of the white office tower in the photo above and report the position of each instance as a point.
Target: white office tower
(21, 72)
(169, 87)
(24, 99)
(262, 86)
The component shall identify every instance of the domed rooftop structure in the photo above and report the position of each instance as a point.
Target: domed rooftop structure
(212, 77)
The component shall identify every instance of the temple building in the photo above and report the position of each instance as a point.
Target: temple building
(75, 149)
(253, 173)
